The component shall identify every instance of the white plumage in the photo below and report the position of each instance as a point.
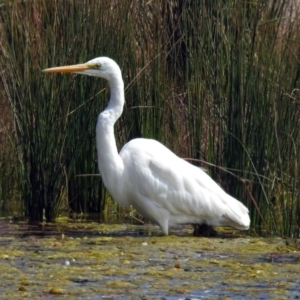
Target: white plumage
(145, 174)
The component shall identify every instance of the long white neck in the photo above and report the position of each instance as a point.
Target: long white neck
(109, 162)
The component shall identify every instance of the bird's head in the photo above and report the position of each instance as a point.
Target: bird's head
(103, 67)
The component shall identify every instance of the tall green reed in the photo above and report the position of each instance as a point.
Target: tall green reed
(235, 69)
(217, 82)
(54, 126)
(241, 70)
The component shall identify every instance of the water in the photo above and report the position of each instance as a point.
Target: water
(96, 261)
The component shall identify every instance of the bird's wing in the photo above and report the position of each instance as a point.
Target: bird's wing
(175, 185)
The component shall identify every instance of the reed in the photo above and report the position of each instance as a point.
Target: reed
(217, 82)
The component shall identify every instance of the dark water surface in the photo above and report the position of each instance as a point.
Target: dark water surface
(96, 261)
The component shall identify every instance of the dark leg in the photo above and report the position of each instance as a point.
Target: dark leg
(204, 230)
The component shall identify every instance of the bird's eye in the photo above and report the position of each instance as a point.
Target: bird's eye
(98, 66)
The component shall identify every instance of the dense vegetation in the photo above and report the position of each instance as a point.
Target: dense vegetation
(215, 81)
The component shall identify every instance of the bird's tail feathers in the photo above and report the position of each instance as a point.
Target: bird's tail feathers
(238, 215)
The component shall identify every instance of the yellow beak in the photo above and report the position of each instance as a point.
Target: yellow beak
(72, 68)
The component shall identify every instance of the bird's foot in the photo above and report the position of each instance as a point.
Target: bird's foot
(204, 230)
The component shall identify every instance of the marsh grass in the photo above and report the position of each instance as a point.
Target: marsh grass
(10, 186)
(217, 82)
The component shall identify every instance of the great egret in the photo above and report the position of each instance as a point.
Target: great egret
(145, 174)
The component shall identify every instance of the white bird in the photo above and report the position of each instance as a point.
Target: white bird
(162, 187)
